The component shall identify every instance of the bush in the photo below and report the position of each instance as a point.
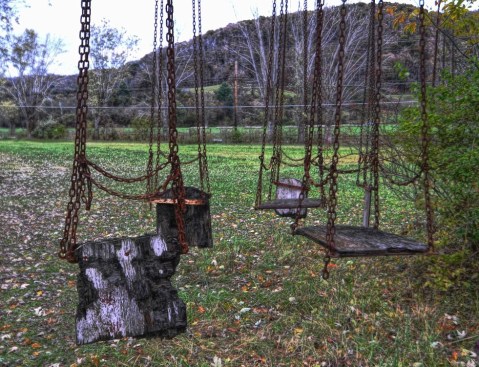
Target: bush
(49, 129)
(453, 115)
(141, 128)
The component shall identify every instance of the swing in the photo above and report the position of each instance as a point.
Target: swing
(290, 194)
(351, 241)
(124, 283)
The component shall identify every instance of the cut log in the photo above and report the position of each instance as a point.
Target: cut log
(124, 289)
(350, 241)
(197, 217)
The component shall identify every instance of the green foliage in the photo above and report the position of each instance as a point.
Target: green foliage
(225, 94)
(453, 110)
(49, 129)
(141, 128)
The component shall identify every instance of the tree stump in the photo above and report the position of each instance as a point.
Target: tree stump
(124, 289)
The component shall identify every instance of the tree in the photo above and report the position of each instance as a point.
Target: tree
(8, 16)
(31, 84)
(110, 50)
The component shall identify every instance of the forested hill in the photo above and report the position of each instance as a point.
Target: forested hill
(248, 44)
(238, 56)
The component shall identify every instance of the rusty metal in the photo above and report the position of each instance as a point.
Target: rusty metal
(425, 128)
(316, 101)
(204, 166)
(279, 97)
(159, 74)
(268, 86)
(178, 187)
(333, 187)
(78, 181)
(377, 115)
(198, 61)
(149, 167)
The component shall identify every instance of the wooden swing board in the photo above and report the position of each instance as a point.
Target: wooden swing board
(351, 241)
(124, 289)
(290, 204)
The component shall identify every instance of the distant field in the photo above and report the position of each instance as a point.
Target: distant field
(255, 299)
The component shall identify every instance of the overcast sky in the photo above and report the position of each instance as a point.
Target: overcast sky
(61, 19)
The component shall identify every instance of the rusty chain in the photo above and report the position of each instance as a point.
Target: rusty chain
(279, 97)
(333, 187)
(149, 167)
(364, 155)
(78, 180)
(159, 74)
(315, 111)
(377, 115)
(425, 128)
(204, 167)
(178, 187)
(269, 71)
(198, 60)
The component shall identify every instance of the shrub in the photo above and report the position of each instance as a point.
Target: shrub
(49, 129)
(453, 115)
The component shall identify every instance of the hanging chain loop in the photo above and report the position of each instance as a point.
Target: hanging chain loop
(333, 186)
(314, 112)
(268, 86)
(377, 115)
(178, 187)
(79, 183)
(425, 128)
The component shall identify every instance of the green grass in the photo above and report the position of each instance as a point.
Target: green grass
(371, 312)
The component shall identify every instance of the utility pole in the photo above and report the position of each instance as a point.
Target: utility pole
(236, 97)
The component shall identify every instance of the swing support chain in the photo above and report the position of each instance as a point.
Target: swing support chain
(79, 180)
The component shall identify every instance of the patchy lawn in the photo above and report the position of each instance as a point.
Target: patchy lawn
(255, 299)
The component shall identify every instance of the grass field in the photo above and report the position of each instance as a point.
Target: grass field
(255, 299)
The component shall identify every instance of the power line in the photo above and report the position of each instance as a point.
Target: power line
(147, 108)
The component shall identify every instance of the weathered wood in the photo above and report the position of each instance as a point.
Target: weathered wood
(287, 200)
(197, 218)
(353, 241)
(124, 289)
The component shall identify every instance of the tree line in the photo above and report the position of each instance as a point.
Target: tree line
(34, 98)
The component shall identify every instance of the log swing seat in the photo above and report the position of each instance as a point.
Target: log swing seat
(124, 285)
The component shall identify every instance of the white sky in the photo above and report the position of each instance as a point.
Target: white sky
(61, 19)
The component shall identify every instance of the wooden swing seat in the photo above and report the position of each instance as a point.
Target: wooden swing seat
(290, 204)
(351, 241)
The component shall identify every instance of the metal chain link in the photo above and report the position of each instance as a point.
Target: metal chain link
(178, 187)
(159, 74)
(198, 56)
(149, 167)
(315, 111)
(364, 156)
(377, 115)
(78, 180)
(269, 71)
(279, 97)
(333, 188)
(425, 128)
(206, 174)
